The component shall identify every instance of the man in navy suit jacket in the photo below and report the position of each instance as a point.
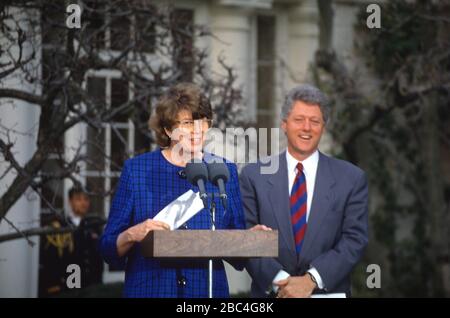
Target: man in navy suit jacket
(319, 205)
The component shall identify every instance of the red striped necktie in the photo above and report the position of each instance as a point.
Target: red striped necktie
(298, 202)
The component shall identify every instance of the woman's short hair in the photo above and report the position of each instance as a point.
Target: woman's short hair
(182, 96)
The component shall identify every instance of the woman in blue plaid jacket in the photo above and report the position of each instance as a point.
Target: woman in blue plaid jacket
(151, 181)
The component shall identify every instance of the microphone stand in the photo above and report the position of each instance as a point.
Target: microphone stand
(213, 228)
(212, 211)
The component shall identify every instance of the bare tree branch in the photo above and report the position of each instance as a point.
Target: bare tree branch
(19, 233)
(22, 95)
(46, 230)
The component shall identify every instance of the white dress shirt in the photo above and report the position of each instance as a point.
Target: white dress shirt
(309, 169)
(74, 218)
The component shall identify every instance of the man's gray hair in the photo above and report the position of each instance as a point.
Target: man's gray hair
(308, 94)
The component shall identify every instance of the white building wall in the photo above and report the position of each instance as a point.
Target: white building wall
(303, 31)
(231, 29)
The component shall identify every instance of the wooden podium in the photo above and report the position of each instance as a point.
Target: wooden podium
(210, 244)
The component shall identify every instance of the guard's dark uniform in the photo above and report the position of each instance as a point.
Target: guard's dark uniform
(55, 254)
(86, 253)
(57, 251)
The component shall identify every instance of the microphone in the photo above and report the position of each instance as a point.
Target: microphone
(197, 174)
(219, 175)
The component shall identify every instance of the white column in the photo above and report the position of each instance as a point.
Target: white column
(303, 39)
(303, 20)
(19, 263)
(233, 41)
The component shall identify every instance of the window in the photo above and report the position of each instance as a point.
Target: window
(95, 22)
(115, 27)
(182, 22)
(120, 26)
(265, 74)
(265, 71)
(109, 146)
(146, 37)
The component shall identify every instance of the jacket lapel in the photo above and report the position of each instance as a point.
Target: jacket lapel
(278, 193)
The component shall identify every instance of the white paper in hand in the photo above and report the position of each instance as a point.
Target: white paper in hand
(180, 210)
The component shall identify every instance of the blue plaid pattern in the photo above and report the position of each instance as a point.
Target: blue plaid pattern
(147, 184)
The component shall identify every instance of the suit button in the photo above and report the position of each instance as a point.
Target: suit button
(182, 281)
